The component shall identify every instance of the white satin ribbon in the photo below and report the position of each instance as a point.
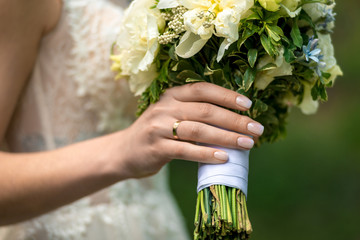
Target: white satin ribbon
(233, 173)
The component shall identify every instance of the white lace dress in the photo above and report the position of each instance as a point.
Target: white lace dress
(70, 97)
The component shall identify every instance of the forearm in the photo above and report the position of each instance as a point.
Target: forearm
(35, 183)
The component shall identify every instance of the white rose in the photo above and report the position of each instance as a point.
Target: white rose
(195, 24)
(222, 16)
(264, 78)
(140, 82)
(137, 44)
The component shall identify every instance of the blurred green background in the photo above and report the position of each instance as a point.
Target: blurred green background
(308, 185)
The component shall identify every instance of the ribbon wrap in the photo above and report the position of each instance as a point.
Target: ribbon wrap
(233, 173)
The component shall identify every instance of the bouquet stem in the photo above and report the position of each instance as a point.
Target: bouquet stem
(221, 213)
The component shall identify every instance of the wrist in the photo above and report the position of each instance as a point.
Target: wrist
(112, 156)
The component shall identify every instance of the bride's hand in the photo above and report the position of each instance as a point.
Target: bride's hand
(150, 142)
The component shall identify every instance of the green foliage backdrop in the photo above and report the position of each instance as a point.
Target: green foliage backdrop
(308, 185)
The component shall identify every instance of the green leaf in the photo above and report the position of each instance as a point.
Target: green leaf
(241, 91)
(271, 17)
(183, 75)
(315, 92)
(258, 10)
(249, 78)
(172, 53)
(216, 76)
(249, 43)
(268, 66)
(182, 65)
(154, 91)
(296, 34)
(266, 43)
(245, 35)
(192, 80)
(289, 54)
(254, 16)
(326, 75)
(252, 56)
(240, 62)
(259, 108)
(307, 18)
(323, 93)
(238, 80)
(272, 34)
(275, 32)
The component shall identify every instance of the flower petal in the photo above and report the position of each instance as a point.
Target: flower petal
(223, 47)
(189, 45)
(308, 105)
(152, 34)
(163, 4)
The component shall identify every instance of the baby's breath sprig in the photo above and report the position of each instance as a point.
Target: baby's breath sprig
(175, 24)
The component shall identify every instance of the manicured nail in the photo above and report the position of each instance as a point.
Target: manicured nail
(222, 156)
(245, 142)
(255, 128)
(244, 102)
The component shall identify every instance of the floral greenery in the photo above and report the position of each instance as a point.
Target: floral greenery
(263, 32)
(272, 57)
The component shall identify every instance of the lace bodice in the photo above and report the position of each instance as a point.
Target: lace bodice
(72, 96)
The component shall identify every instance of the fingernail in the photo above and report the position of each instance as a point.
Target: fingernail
(222, 156)
(245, 142)
(243, 102)
(255, 128)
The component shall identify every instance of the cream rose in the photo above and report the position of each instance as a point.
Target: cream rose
(207, 17)
(137, 44)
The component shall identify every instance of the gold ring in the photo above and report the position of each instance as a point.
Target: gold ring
(175, 127)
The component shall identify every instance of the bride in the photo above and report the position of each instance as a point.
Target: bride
(74, 162)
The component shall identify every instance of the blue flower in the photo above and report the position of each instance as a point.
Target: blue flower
(311, 52)
(329, 18)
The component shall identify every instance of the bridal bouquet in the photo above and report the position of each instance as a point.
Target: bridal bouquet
(276, 52)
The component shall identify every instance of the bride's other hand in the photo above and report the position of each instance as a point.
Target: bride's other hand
(150, 142)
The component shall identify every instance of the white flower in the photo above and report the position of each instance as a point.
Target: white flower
(137, 44)
(317, 10)
(194, 23)
(264, 78)
(163, 4)
(335, 71)
(308, 105)
(327, 50)
(207, 17)
(140, 82)
(290, 7)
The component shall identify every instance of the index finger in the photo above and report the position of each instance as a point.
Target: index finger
(211, 93)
